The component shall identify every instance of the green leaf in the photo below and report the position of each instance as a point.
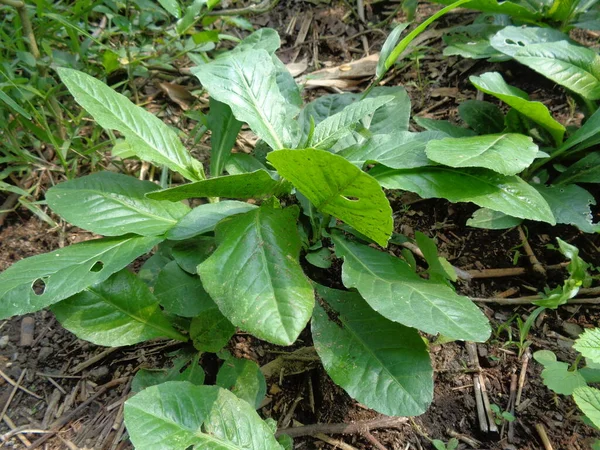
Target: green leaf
(492, 83)
(511, 39)
(574, 67)
(113, 204)
(66, 272)
(388, 47)
(339, 188)
(246, 185)
(492, 220)
(151, 138)
(179, 292)
(172, 7)
(246, 81)
(210, 330)
(510, 195)
(204, 218)
(558, 378)
(192, 252)
(570, 204)
(224, 129)
(181, 415)
(265, 38)
(472, 41)
(443, 126)
(119, 311)
(4, 97)
(585, 170)
(244, 378)
(525, 10)
(254, 275)
(320, 258)
(334, 127)
(482, 117)
(382, 364)
(507, 154)
(588, 400)
(286, 84)
(588, 344)
(398, 150)
(397, 293)
(436, 268)
(186, 367)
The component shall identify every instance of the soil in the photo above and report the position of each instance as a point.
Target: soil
(82, 405)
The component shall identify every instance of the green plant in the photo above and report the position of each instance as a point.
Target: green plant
(561, 14)
(452, 444)
(228, 264)
(526, 142)
(501, 416)
(569, 379)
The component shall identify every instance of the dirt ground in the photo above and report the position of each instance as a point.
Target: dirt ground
(70, 394)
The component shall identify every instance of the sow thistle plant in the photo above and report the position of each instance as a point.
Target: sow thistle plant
(230, 264)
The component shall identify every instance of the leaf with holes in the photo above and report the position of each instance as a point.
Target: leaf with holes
(151, 139)
(66, 272)
(507, 194)
(254, 275)
(507, 154)
(570, 204)
(119, 311)
(246, 81)
(393, 290)
(181, 415)
(247, 185)
(339, 188)
(112, 204)
(492, 83)
(380, 363)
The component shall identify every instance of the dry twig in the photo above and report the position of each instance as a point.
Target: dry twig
(343, 428)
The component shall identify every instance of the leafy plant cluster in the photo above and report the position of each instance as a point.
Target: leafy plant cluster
(315, 183)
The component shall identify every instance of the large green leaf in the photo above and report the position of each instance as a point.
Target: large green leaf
(66, 272)
(482, 117)
(150, 138)
(570, 204)
(244, 378)
(556, 374)
(585, 170)
(177, 415)
(119, 311)
(263, 38)
(507, 154)
(113, 204)
(254, 275)
(179, 292)
(382, 364)
(246, 81)
(398, 150)
(327, 132)
(204, 218)
(245, 185)
(588, 400)
(509, 40)
(224, 129)
(507, 194)
(339, 188)
(492, 83)
(588, 344)
(393, 290)
(574, 67)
